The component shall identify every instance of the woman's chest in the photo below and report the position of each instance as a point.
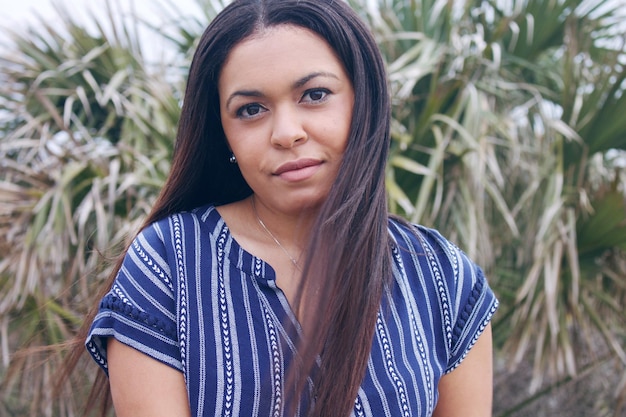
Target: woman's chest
(241, 339)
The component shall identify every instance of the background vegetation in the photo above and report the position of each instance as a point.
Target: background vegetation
(509, 136)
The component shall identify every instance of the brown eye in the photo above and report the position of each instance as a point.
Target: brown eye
(315, 95)
(249, 110)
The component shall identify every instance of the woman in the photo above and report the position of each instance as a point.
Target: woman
(269, 278)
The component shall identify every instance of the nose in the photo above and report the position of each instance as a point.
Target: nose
(287, 130)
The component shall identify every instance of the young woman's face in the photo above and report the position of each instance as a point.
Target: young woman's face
(286, 107)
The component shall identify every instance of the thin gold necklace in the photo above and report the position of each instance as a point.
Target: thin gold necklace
(291, 258)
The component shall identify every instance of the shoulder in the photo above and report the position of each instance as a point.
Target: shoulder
(425, 252)
(426, 259)
(444, 282)
(181, 222)
(421, 240)
(159, 242)
(206, 214)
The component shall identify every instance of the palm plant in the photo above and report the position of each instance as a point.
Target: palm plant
(85, 142)
(507, 138)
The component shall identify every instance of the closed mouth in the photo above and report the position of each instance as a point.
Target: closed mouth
(297, 165)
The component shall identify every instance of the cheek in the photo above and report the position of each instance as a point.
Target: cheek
(228, 133)
(336, 129)
(236, 139)
(346, 122)
(342, 134)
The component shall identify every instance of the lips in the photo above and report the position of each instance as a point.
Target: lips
(298, 170)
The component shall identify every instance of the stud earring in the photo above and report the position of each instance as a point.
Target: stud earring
(232, 159)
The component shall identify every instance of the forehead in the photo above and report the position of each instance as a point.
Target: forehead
(278, 52)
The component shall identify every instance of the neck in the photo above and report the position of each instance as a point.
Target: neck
(292, 231)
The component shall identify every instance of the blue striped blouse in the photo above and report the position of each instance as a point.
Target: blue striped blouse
(189, 296)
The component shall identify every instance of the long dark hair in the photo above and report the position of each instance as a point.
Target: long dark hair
(348, 258)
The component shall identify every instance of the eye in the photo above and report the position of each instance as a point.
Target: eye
(250, 110)
(315, 95)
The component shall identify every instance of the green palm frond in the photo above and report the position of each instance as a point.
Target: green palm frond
(500, 110)
(84, 148)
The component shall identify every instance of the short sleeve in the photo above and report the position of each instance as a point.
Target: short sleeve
(472, 303)
(140, 309)
(476, 308)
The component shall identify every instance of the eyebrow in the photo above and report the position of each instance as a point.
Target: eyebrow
(297, 84)
(302, 81)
